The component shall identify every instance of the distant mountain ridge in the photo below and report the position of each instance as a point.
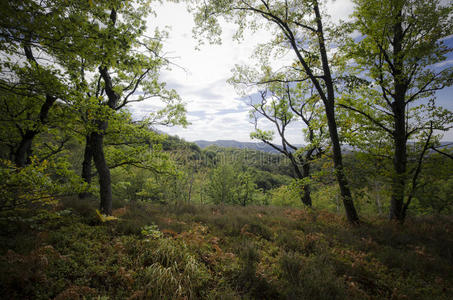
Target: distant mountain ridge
(260, 146)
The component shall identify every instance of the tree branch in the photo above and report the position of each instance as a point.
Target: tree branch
(374, 121)
(418, 170)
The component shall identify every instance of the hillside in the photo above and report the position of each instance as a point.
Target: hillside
(98, 202)
(260, 146)
(211, 252)
(240, 145)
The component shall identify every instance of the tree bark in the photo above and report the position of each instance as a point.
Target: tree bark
(377, 196)
(399, 135)
(86, 165)
(306, 198)
(329, 104)
(105, 187)
(97, 142)
(23, 151)
(192, 178)
(345, 192)
(327, 94)
(399, 165)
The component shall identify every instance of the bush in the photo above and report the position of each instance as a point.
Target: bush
(35, 185)
(172, 272)
(226, 252)
(285, 196)
(309, 278)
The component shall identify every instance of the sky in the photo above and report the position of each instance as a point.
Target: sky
(214, 108)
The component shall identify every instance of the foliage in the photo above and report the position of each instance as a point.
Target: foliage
(36, 184)
(397, 68)
(299, 29)
(223, 222)
(434, 191)
(284, 196)
(151, 231)
(222, 184)
(273, 253)
(228, 185)
(436, 196)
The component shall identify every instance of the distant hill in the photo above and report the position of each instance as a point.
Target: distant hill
(235, 144)
(266, 148)
(447, 144)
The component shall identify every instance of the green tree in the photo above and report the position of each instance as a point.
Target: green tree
(284, 196)
(230, 185)
(401, 51)
(246, 188)
(284, 102)
(32, 84)
(436, 195)
(222, 182)
(299, 26)
(125, 69)
(96, 59)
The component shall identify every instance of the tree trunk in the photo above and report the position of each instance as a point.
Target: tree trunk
(399, 172)
(105, 187)
(86, 166)
(377, 196)
(192, 178)
(345, 192)
(329, 104)
(399, 114)
(23, 151)
(306, 198)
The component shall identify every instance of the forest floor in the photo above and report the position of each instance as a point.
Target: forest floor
(227, 252)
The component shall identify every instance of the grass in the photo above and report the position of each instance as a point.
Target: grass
(227, 252)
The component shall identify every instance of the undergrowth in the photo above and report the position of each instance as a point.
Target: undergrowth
(227, 252)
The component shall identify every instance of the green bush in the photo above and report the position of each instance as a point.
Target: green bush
(227, 252)
(309, 278)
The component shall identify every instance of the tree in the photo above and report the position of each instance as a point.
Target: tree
(188, 157)
(32, 84)
(443, 152)
(246, 188)
(222, 183)
(284, 103)
(124, 70)
(230, 185)
(297, 25)
(402, 46)
(94, 58)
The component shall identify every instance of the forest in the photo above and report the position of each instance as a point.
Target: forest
(97, 203)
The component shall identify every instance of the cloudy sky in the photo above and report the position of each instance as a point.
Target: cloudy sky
(215, 110)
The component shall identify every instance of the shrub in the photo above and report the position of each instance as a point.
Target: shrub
(309, 278)
(36, 184)
(172, 272)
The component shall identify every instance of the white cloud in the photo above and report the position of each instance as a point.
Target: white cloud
(339, 9)
(214, 108)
